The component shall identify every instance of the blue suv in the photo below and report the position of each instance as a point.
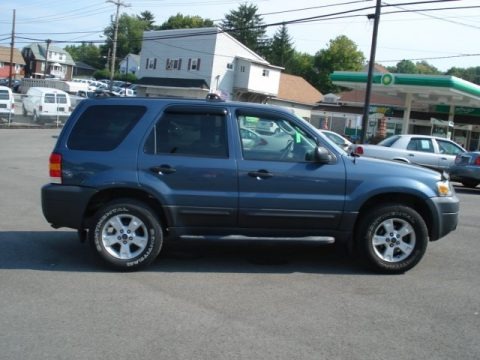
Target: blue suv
(130, 173)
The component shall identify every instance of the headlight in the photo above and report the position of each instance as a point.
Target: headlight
(444, 188)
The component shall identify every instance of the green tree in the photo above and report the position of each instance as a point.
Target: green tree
(406, 67)
(180, 21)
(303, 64)
(148, 18)
(87, 53)
(341, 54)
(245, 25)
(129, 36)
(424, 67)
(281, 50)
(471, 74)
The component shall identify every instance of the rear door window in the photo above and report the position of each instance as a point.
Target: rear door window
(61, 99)
(4, 95)
(49, 98)
(196, 133)
(103, 128)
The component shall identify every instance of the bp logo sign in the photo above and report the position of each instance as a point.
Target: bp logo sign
(387, 79)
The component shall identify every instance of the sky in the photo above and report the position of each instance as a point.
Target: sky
(444, 33)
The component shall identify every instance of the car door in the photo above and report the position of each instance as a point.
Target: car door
(280, 187)
(187, 164)
(448, 150)
(421, 151)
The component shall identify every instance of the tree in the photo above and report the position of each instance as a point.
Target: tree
(129, 36)
(406, 67)
(148, 18)
(281, 49)
(180, 21)
(471, 74)
(341, 54)
(245, 25)
(303, 64)
(87, 53)
(424, 67)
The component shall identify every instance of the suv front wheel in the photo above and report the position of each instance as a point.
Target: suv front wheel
(392, 238)
(126, 234)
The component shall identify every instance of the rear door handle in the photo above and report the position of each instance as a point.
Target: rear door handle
(260, 174)
(163, 169)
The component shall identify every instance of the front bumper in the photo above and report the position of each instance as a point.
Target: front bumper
(446, 211)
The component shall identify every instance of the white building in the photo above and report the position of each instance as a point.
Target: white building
(130, 64)
(194, 62)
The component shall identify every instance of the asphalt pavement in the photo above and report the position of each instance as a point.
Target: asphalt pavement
(221, 300)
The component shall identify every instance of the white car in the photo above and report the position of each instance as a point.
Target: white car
(47, 104)
(338, 139)
(430, 151)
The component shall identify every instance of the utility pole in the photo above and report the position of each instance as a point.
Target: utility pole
(371, 65)
(46, 59)
(12, 46)
(118, 3)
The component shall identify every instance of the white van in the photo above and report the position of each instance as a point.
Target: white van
(47, 104)
(7, 102)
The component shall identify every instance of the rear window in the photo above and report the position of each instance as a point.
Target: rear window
(61, 99)
(389, 141)
(49, 98)
(103, 128)
(4, 95)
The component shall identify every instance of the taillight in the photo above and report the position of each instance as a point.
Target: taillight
(477, 161)
(359, 150)
(55, 167)
(40, 108)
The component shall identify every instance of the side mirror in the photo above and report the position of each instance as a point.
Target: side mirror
(321, 155)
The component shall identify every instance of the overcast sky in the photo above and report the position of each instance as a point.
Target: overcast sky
(443, 38)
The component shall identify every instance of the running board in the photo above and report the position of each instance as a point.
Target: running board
(319, 239)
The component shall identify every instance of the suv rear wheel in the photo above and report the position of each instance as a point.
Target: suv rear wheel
(126, 234)
(392, 238)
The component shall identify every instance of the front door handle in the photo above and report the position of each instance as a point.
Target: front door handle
(260, 174)
(163, 169)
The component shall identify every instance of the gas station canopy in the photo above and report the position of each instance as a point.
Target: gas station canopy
(417, 91)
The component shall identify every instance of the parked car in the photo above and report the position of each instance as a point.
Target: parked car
(264, 126)
(156, 169)
(466, 169)
(251, 139)
(433, 152)
(46, 104)
(338, 139)
(7, 102)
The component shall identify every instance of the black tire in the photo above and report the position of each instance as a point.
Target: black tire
(397, 250)
(470, 183)
(134, 233)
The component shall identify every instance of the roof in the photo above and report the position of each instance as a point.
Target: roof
(173, 82)
(358, 97)
(297, 89)
(39, 49)
(82, 65)
(5, 56)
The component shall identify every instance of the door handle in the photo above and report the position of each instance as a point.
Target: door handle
(163, 169)
(260, 174)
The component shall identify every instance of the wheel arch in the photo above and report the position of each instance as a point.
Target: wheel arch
(107, 195)
(415, 202)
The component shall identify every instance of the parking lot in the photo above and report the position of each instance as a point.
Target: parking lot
(219, 300)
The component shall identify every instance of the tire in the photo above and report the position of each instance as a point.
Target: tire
(126, 235)
(470, 183)
(392, 238)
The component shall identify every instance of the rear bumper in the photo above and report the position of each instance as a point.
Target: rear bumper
(446, 217)
(464, 172)
(65, 206)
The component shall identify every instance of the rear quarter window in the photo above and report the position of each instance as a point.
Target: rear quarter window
(103, 128)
